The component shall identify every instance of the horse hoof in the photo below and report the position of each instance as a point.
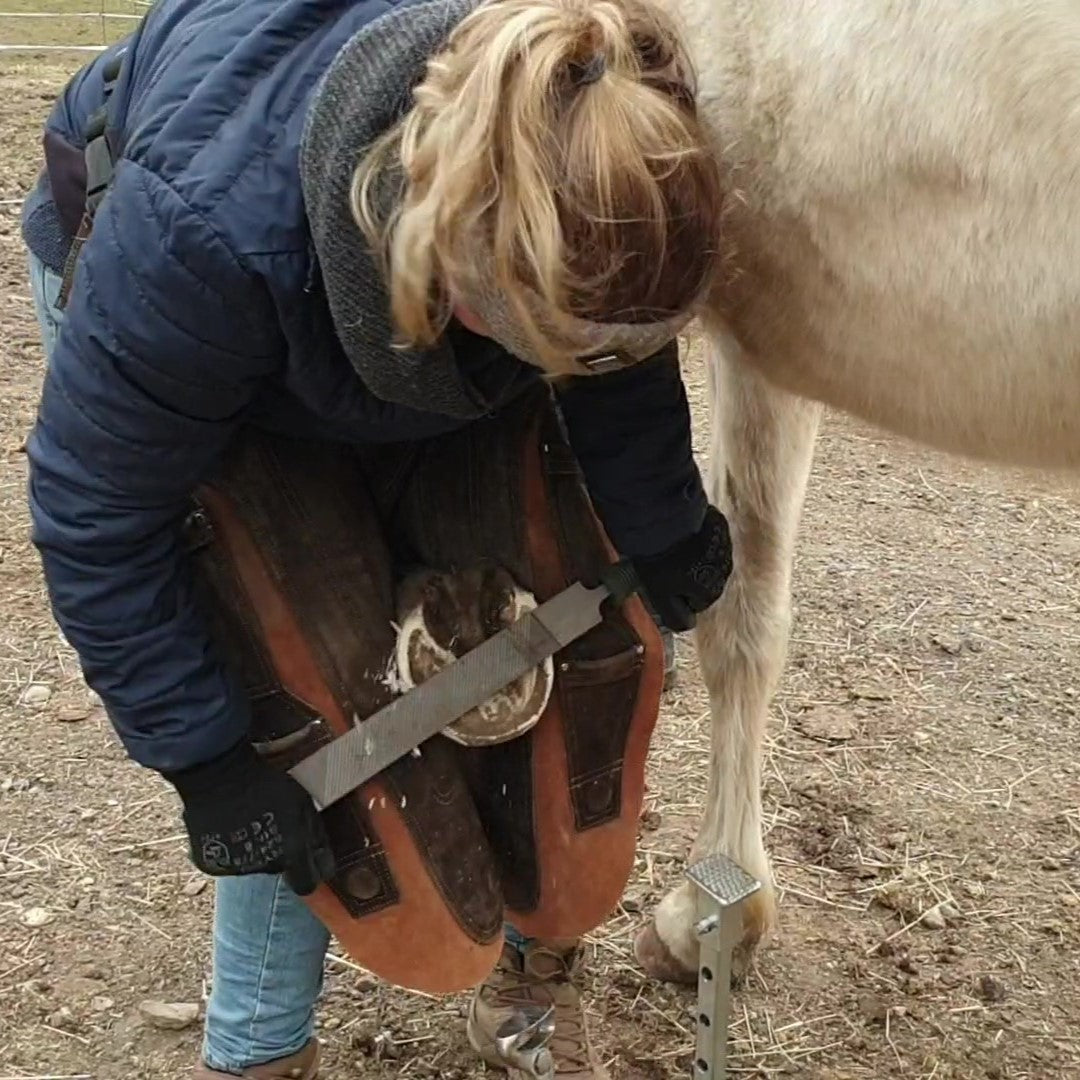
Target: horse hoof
(658, 960)
(661, 962)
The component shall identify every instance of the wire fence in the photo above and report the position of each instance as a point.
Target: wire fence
(55, 30)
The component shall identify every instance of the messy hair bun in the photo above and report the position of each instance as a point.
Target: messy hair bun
(560, 139)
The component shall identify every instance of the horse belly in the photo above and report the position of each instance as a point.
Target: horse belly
(949, 388)
(939, 307)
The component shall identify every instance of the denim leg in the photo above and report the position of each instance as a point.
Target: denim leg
(45, 285)
(268, 969)
(515, 938)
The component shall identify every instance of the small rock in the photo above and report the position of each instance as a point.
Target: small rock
(78, 985)
(61, 1019)
(947, 643)
(1031, 1027)
(36, 695)
(951, 954)
(79, 988)
(650, 820)
(991, 989)
(331, 1023)
(73, 714)
(951, 912)
(169, 1016)
(631, 905)
(102, 1003)
(361, 1039)
(385, 1047)
(873, 1009)
(933, 919)
(194, 886)
(905, 964)
(37, 916)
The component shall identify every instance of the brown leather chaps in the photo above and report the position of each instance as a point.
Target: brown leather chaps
(298, 548)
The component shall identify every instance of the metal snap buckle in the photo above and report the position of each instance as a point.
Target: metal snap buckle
(602, 363)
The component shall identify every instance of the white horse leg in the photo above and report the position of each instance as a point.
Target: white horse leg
(762, 447)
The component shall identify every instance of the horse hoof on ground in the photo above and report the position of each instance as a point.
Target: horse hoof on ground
(667, 948)
(661, 964)
(658, 960)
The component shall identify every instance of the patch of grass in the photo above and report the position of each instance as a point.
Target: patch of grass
(66, 22)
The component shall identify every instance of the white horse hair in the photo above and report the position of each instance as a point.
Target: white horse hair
(904, 238)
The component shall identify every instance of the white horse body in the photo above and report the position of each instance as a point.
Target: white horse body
(906, 210)
(904, 234)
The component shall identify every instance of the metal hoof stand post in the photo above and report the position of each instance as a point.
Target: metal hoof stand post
(722, 886)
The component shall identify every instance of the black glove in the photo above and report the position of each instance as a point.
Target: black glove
(245, 817)
(689, 576)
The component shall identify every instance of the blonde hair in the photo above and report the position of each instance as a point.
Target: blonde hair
(552, 152)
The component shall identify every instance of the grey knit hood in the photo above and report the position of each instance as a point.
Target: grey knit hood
(363, 93)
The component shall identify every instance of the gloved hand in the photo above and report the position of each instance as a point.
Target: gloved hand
(245, 817)
(689, 576)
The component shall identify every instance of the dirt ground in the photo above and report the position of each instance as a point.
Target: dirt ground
(923, 751)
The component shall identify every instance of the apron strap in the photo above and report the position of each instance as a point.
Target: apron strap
(100, 167)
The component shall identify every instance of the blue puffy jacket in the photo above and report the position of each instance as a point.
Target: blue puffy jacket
(197, 307)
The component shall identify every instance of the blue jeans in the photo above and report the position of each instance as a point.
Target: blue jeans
(269, 948)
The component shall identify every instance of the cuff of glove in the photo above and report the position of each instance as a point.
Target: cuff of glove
(208, 776)
(690, 576)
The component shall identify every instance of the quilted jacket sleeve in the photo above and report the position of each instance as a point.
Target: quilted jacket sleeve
(164, 339)
(631, 433)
